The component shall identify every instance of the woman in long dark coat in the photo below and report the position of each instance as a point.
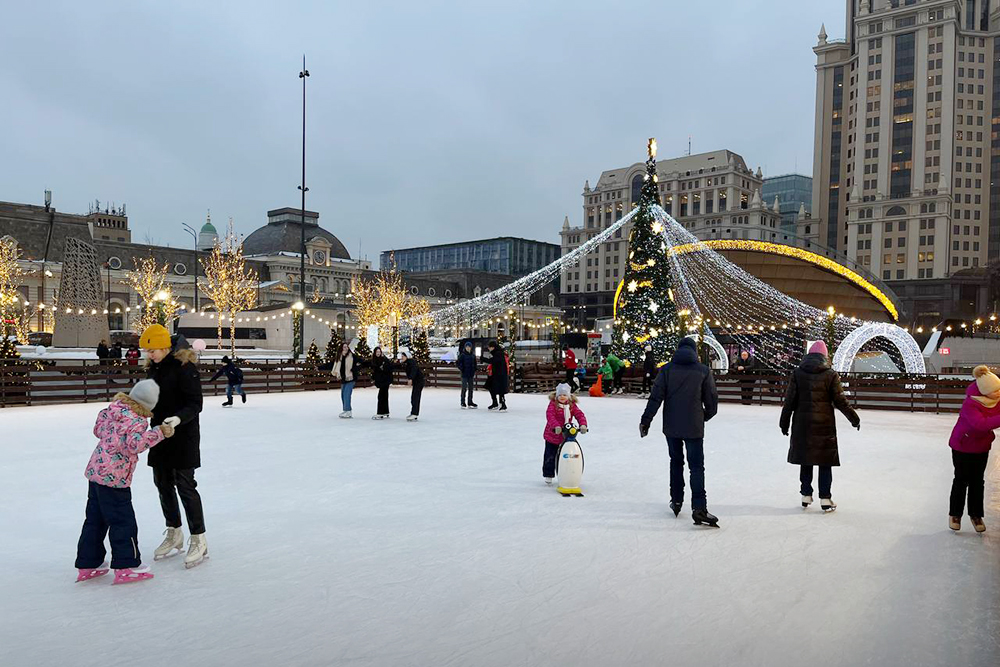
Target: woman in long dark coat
(813, 391)
(381, 378)
(499, 378)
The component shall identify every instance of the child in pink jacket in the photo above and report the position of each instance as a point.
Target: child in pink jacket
(124, 434)
(562, 410)
(970, 443)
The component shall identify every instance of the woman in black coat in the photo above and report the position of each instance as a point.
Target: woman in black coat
(813, 391)
(415, 376)
(172, 364)
(381, 377)
(498, 376)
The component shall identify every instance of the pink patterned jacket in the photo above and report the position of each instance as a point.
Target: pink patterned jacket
(122, 429)
(555, 417)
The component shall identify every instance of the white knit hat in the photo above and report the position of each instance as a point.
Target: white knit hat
(146, 393)
(986, 380)
(562, 390)
(404, 351)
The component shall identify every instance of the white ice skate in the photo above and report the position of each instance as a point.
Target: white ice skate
(345, 415)
(827, 504)
(807, 501)
(377, 417)
(548, 480)
(411, 418)
(197, 551)
(172, 544)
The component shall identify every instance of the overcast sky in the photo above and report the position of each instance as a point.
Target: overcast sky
(428, 121)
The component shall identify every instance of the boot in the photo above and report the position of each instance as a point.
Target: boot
(827, 504)
(228, 402)
(676, 507)
(977, 523)
(807, 501)
(472, 406)
(955, 522)
(197, 550)
(703, 517)
(243, 397)
(174, 540)
(503, 405)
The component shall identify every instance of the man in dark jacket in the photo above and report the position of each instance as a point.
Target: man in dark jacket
(813, 391)
(498, 376)
(746, 366)
(415, 378)
(648, 371)
(467, 365)
(234, 380)
(687, 390)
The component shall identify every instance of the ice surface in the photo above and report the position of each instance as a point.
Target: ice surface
(436, 543)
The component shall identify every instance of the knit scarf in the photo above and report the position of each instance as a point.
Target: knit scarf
(986, 401)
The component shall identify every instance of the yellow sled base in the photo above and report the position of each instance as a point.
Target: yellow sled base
(575, 491)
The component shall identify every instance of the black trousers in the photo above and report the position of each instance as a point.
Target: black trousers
(825, 481)
(171, 482)
(383, 401)
(549, 459)
(969, 472)
(618, 377)
(108, 510)
(418, 389)
(647, 383)
(570, 374)
(746, 391)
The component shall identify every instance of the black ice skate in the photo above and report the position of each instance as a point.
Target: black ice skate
(676, 507)
(703, 517)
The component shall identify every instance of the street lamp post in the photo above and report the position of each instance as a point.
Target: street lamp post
(107, 265)
(194, 235)
(304, 74)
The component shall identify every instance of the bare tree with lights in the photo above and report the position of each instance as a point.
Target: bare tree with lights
(149, 281)
(230, 285)
(384, 301)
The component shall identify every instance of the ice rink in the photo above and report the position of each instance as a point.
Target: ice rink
(436, 544)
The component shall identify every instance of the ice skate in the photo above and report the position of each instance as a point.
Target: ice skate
(129, 575)
(228, 403)
(493, 407)
(676, 507)
(703, 517)
(243, 397)
(807, 501)
(174, 540)
(85, 573)
(955, 522)
(377, 417)
(411, 418)
(548, 481)
(472, 406)
(503, 405)
(827, 504)
(197, 551)
(464, 406)
(346, 414)
(977, 523)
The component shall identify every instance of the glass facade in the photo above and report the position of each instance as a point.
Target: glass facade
(833, 207)
(902, 117)
(792, 191)
(508, 256)
(993, 244)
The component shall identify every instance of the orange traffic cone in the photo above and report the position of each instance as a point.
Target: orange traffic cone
(595, 389)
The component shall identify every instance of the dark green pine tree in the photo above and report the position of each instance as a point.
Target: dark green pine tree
(421, 348)
(312, 355)
(645, 312)
(362, 351)
(333, 346)
(8, 347)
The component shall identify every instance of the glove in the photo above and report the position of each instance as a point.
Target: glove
(784, 431)
(166, 429)
(174, 422)
(583, 429)
(643, 430)
(556, 430)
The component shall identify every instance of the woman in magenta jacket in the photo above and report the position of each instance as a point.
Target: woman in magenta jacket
(970, 442)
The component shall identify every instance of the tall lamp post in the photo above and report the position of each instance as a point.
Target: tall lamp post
(194, 235)
(304, 74)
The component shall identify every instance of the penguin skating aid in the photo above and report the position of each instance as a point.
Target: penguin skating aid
(569, 463)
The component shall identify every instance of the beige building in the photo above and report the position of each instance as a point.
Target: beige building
(714, 195)
(902, 171)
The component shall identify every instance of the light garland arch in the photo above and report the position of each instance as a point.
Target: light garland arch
(913, 359)
(716, 346)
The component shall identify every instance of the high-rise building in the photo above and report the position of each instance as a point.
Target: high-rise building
(906, 171)
(794, 195)
(713, 195)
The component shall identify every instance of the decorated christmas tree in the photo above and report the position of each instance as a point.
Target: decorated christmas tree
(362, 351)
(645, 313)
(8, 347)
(333, 347)
(421, 349)
(312, 355)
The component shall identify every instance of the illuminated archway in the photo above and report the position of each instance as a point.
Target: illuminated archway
(718, 349)
(913, 360)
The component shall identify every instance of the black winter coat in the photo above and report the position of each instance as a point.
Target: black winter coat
(813, 391)
(749, 366)
(234, 375)
(498, 376)
(381, 371)
(413, 372)
(687, 390)
(649, 364)
(467, 364)
(180, 396)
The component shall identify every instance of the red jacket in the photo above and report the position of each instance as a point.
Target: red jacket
(569, 361)
(973, 433)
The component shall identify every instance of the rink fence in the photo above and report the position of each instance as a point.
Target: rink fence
(89, 381)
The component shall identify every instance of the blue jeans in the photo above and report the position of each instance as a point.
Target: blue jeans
(467, 385)
(696, 463)
(825, 480)
(234, 388)
(346, 390)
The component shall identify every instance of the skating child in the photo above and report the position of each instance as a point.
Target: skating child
(234, 380)
(970, 442)
(124, 434)
(562, 410)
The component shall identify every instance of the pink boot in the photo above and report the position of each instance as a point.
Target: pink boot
(128, 575)
(85, 573)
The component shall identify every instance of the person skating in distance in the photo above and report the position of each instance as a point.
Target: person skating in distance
(468, 366)
(687, 391)
(234, 380)
(814, 390)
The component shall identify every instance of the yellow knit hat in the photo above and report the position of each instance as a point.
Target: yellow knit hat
(155, 337)
(986, 381)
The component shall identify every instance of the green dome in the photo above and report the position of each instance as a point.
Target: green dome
(207, 227)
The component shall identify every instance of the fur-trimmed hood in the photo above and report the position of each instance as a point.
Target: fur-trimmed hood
(135, 407)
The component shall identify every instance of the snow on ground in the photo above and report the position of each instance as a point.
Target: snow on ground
(356, 542)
